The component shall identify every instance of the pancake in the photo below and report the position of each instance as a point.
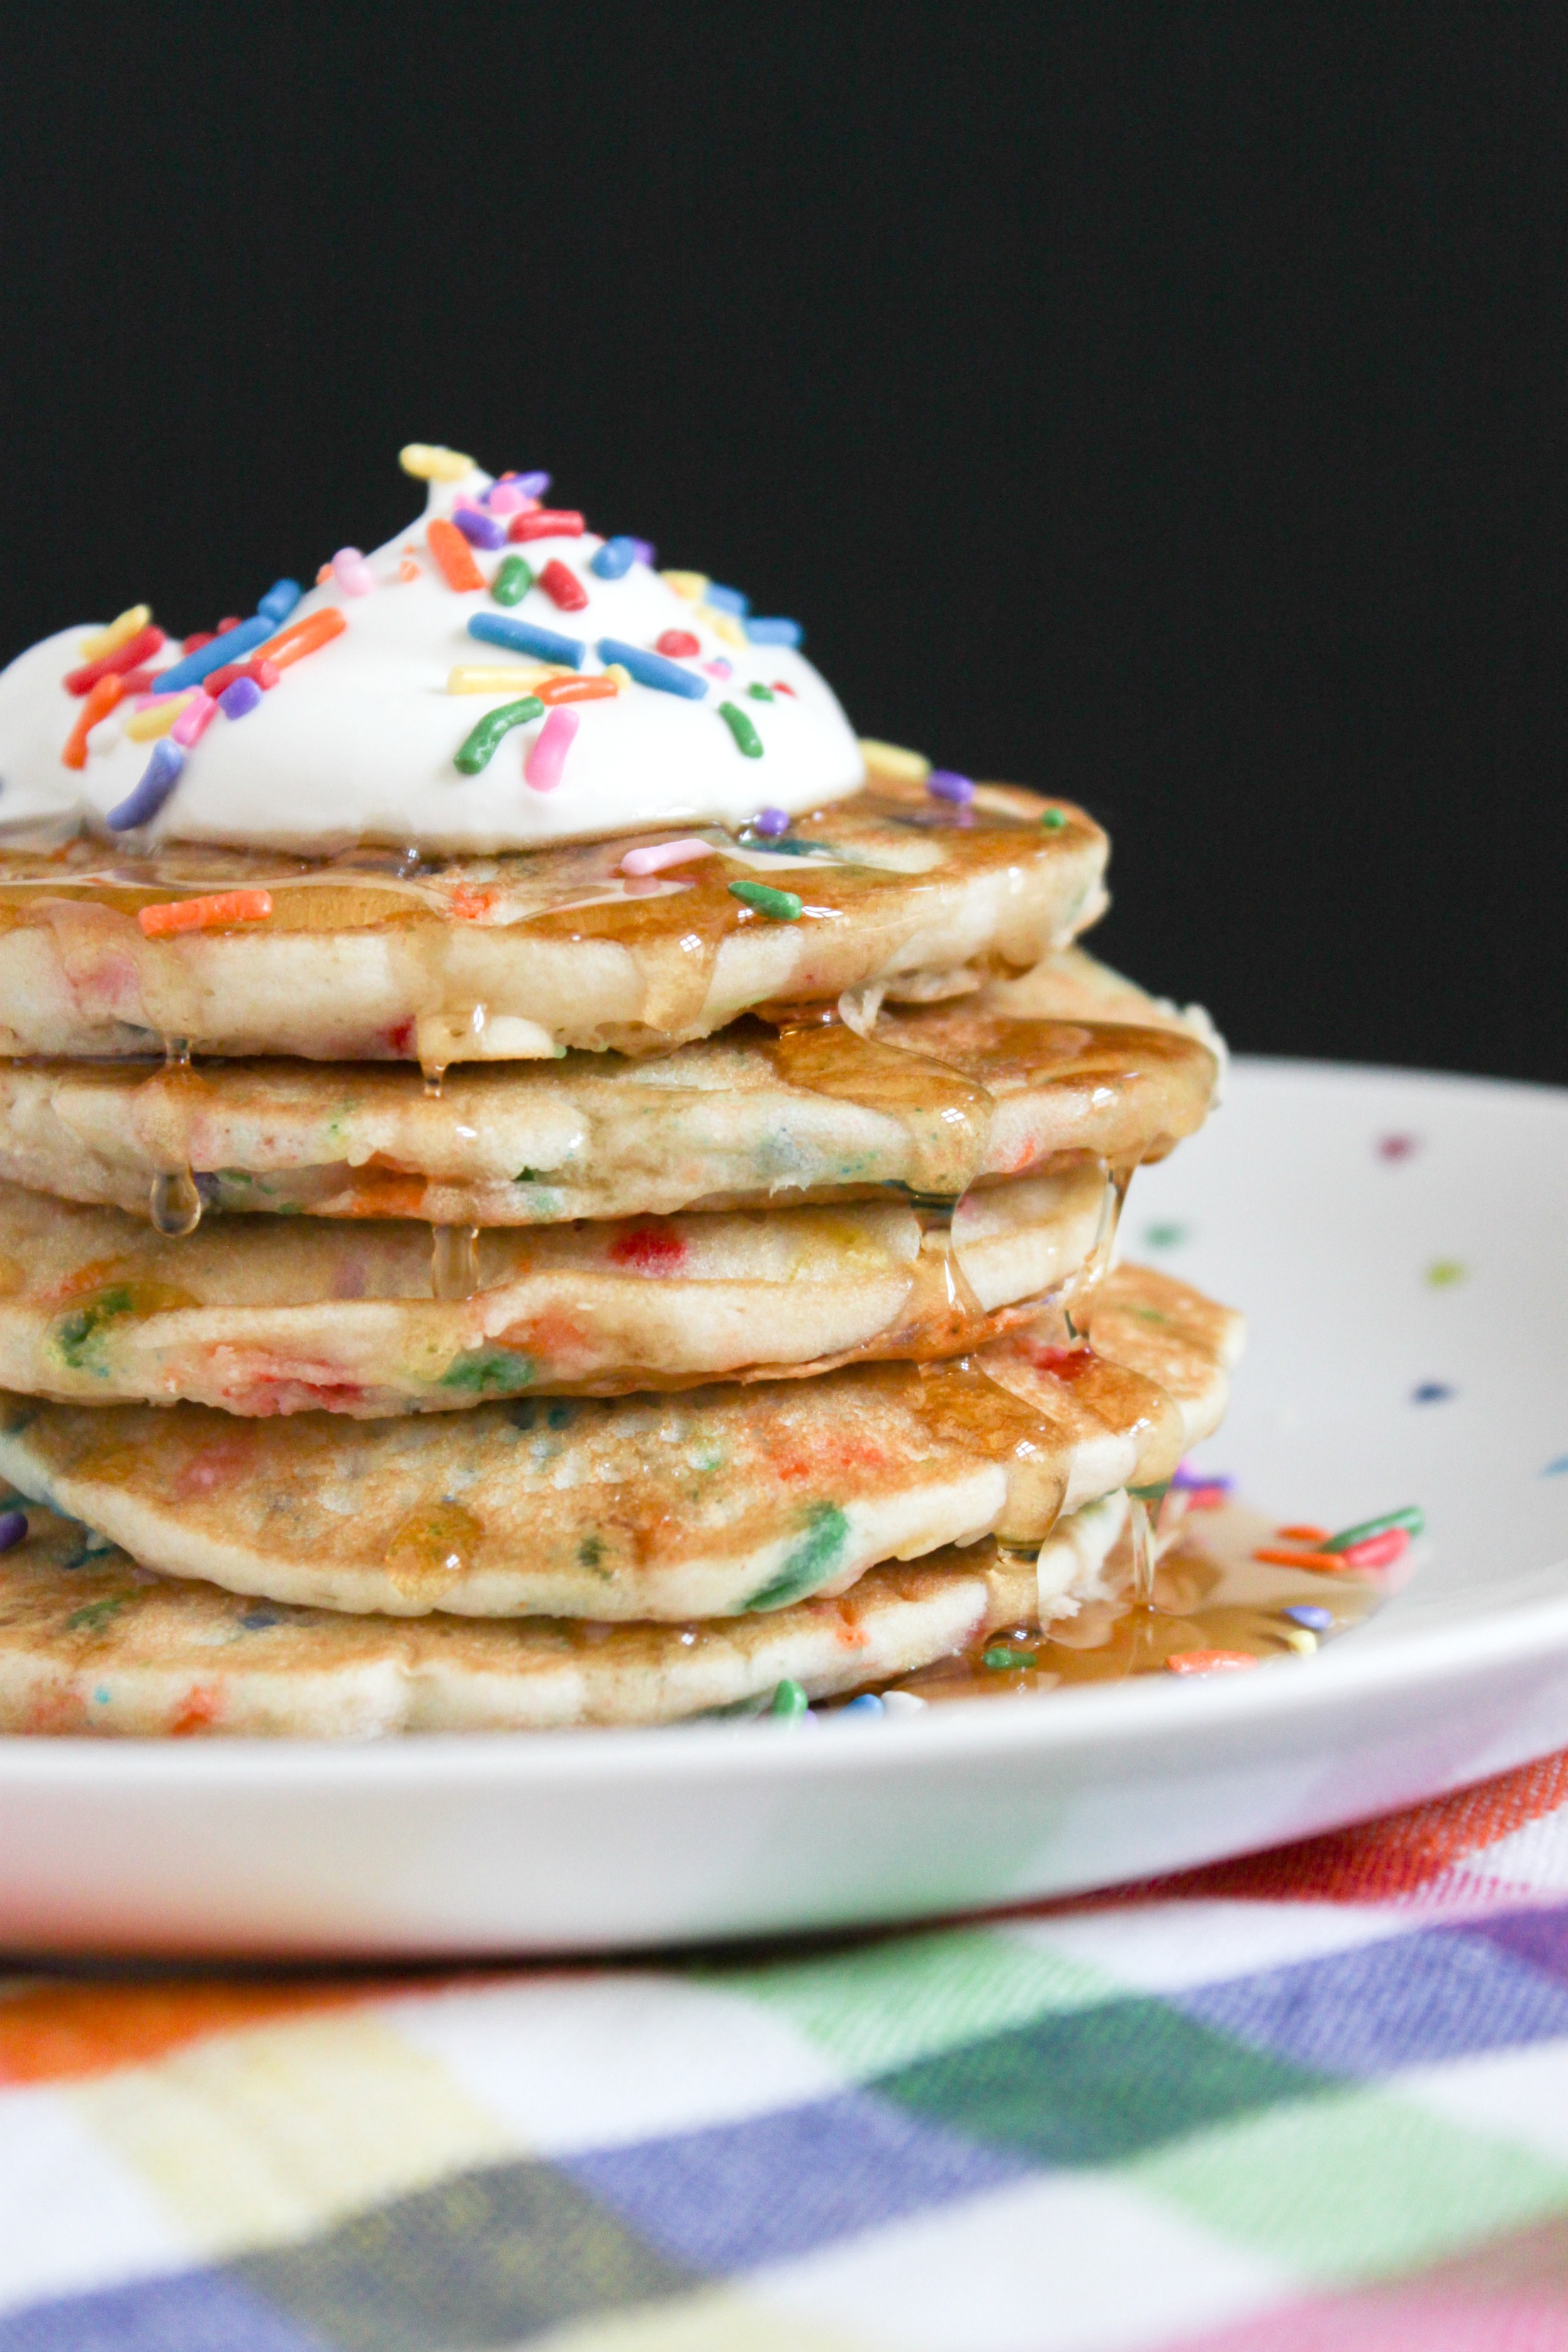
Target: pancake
(972, 1093)
(268, 1315)
(716, 1502)
(89, 1643)
(377, 956)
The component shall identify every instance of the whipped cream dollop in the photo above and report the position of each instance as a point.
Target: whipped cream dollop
(357, 740)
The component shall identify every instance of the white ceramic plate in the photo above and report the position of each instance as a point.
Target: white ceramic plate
(1400, 1246)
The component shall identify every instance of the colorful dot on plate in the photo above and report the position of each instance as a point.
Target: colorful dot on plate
(1317, 1620)
(1443, 1272)
(1398, 1146)
(1558, 1469)
(1165, 1237)
(1431, 1392)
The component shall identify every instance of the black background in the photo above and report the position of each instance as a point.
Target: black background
(1159, 404)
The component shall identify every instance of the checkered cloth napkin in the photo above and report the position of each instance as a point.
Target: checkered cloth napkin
(1317, 2099)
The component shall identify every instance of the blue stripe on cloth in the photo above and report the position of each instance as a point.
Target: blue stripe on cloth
(1409, 2000)
(779, 2185)
(198, 2311)
(1539, 1936)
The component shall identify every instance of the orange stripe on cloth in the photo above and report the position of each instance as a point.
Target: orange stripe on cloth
(65, 2033)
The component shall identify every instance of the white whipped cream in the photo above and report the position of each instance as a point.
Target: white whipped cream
(356, 741)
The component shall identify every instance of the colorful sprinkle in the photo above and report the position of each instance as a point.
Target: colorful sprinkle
(652, 669)
(145, 726)
(194, 720)
(351, 572)
(211, 914)
(1305, 1533)
(759, 692)
(747, 739)
(198, 665)
(563, 588)
(614, 559)
(237, 701)
(477, 680)
(100, 700)
(546, 522)
(1165, 1237)
(727, 600)
(691, 586)
(645, 552)
(1444, 1272)
(619, 671)
(508, 498)
(1187, 1476)
(545, 763)
(130, 624)
(678, 644)
(130, 653)
(158, 780)
(280, 601)
(428, 462)
(770, 822)
(13, 1529)
(1431, 1392)
(719, 669)
(1377, 1551)
(725, 625)
(1208, 1662)
(454, 556)
(783, 686)
(407, 570)
(527, 637)
(891, 760)
(1398, 1146)
(660, 853)
(1316, 1620)
(947, 784)
(512, 581)
(479, 530)
(1053, 821)
(555, 690)
(790, 1700)
(1410, 1517)
(867, 1703)
(478, 749)
(1001, 1660)
(779, 905)
(532, 486)
(773, 633)
(1326, 1563)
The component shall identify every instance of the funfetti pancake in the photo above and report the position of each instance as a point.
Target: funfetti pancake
(708, 1504)
(91, 1642)
(269, 1314)
(935, 1098)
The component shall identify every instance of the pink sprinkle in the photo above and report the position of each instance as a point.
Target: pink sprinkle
(719, 669)
(544, 763)
(351, 572)
(1398, 1147)
(665, 853)
(194, 719)
(507, 498)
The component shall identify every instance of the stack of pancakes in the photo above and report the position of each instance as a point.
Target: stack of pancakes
(514, 1292)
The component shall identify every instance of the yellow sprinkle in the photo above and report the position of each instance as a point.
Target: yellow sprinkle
(619, 672)
(157, 718)
(724, 624)
(692, 585)
(429, 462)
(118, 633)
(890, 759)
(516, 679)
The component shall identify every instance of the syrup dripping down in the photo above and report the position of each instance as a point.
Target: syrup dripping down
(174, 1202)
(454, 1261)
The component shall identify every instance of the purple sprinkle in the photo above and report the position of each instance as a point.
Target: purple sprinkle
(947, 784)
(770, 822)
(479, 530)
(646, 551)
(159, 778)
(1187, 1477)
(1317, 1620)
(13, 1529)
(532, 486)
(236, 700)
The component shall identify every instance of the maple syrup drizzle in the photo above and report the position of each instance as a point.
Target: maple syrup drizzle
(174, 1200)
(433, 1549)
(454, 1261)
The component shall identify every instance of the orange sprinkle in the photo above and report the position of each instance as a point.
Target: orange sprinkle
(575, 689)
(453, 554)
(323, 575)
(1327, 1563)
(302, 637)
(407, 570)
(225, 907)
(1208, 1662)
(1304, 1535)
(100, 700)
(470, 903)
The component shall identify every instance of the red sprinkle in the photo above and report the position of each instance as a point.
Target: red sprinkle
(129, 655)
(100, 700)
(547, 522)
(1377, 1551)
(650, 1249)
(455, 556)
(193, 644)
(1209, 1662)
(225, 907)
(1065, 1363)
(229, 621)
(563, 587)
(677, 645)
(782, 686)
(137, 681)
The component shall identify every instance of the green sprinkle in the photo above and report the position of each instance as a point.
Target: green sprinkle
(999, 1660)
(591, 1552)
(779, 905)
(1412, 1518)
(1443, 1272)
(478, 748)
(761, 693)
(93, 1618)
(807, 1563)
(789, 1700)
(747, 738)
(1053, 821)
(75, 1333)
(492, 1371)
(513, 580)
(1165, 1237)
(528, 1176)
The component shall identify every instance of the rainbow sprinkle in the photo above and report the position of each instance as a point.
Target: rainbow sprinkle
(428, 462)
(775, 631)
(652, 669)
(479, 530)
(779, 905)
(218, 651)
(280, 601)
(210, 914)
(118, 633)
(747, 739)
(513, 580)
(614, 559)
(478, 748)
(546, 763)
(526, 637)
(158, 780)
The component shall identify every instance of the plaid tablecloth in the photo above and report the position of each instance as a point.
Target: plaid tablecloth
(1315, 2099)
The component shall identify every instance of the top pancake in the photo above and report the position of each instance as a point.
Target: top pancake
(986, 1086)
(386, 958)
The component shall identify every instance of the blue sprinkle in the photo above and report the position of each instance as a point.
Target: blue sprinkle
(1317, 1619)
(614, 559)
(652, 669)
(100, 1697)
(1431, 1392)
(866, 1703)
(771, 633)
(227, 648)
(280, 602)
(1558, 1469)
(527, 637)
(13, 1529)
(726, 600)
(237, 700)
(532, 486)
(479, 530)
(159, 778)
(256, 1621)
